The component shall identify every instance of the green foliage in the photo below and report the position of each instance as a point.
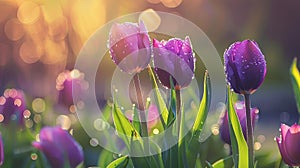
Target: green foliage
(119, 163)
(295, 77)
(238, 142)
(204, 107)
(223, 163)
(123, 126)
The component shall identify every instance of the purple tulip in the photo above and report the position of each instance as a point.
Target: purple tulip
(69, 83)
(12, 106)
(59, 147)
(1, 151)
(174, 59)
(129, 46)
(289, 144)
(245, 66)
(241, 113)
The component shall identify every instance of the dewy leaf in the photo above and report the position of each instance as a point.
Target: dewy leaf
(119, 163)
(238, 142)
(295, 77)
(159, 100)
(204, 107)
(123, 126)
(223, 163)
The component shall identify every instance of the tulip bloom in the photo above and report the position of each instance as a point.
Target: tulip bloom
(174, 59)
(241, 113)
(69, 83)
(245, 66)
(289, 144)
(59, 147)
(129, 46)
(12, 106)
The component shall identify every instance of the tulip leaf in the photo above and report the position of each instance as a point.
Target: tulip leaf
(238, 142)
(123, 126)
(119, 163)
(203, 108)
(159, 100)
(295, 77)
(223, 163)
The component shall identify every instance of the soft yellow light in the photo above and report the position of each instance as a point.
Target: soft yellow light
(1, 118)
(155, 131)
(38, 105)
(55, 52)
(29, 52)
(14, 29)
(64, 121)
(257, 146)
(151, 19)
(29, 12)
(87, 16)
(171, 3)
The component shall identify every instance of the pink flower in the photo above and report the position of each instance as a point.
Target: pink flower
(129, 46)
(289, 144)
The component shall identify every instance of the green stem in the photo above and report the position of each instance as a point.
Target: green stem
(141, 106)
(178, 106)
(249, 131)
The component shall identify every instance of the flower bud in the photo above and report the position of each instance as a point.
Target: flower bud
(174, 60)
(245, 66)
(240, 110)
(59, 147)
(289, 144)
(69, 83)
(129, 46)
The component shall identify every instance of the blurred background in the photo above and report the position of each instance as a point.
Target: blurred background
(40, 39)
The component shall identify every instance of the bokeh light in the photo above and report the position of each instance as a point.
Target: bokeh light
(38, 105)
(29, 12)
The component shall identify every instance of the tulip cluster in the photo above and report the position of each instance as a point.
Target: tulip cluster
(130, 48)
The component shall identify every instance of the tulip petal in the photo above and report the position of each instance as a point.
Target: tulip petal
(245, 66)
(58, 147)
(282, 151)
(292, 144)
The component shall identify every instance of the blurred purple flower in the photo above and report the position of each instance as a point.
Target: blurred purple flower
(152, 118)
(174, 59)
(1, 150)
(241, 113)
(12, 106)
(59, 147)
(129, 46)
(69, 83)
(289, 144)
(245, 66)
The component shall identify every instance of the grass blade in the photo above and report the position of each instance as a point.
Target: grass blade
(295, 77)
(119, 163)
